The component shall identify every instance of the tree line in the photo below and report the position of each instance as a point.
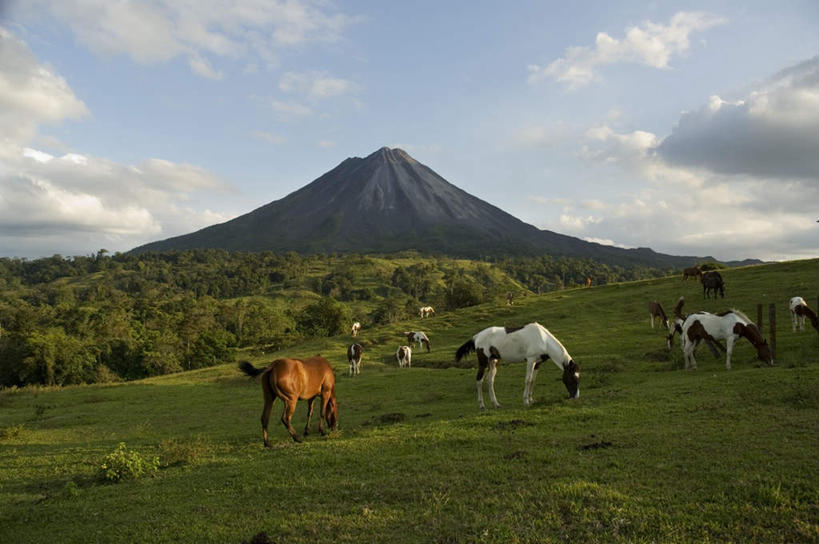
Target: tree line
(104, 317)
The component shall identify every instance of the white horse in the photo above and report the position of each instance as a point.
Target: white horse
(532, 343)
(427, 311)
(417, 337)
(354, 358)
(728, 326)
(800, 311)
(404, 356)
(356, 327)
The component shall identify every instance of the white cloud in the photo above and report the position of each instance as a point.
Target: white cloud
(268, 137)
(315, 85)
(773, 133)
(31, 93)
(76, 202)
(651, 44)
(287, 111)
(161, 30)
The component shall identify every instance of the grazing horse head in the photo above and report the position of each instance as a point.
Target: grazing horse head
(571, 378)
(754, 336)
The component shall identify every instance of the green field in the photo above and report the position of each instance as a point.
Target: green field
(648, 453)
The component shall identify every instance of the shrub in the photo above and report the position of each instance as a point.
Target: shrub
(124, 464)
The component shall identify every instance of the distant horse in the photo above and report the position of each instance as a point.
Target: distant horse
(404, 356)
(692, 272)
(712, 281)
(728, 326)
(588, 282)
(655, 310)
(800, 311)
(419, 338)
(509, 297)
(354, 358)
(532, 343)
(427, 311)
(292, 380)
(355, 328)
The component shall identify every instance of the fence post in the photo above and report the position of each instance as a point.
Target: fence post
(759, 317)
(772, 326)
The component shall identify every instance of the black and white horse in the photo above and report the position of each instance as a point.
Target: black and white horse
(532, 343)
(354, 352)
(404, 356)
(728, 326)
(800, 312)
(417, 337)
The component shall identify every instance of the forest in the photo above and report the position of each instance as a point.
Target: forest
(111, 317)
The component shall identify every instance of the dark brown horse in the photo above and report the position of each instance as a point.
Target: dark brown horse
(712, 281)
(294, 379)
(692, 272)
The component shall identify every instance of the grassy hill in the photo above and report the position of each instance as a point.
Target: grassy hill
(648, 453)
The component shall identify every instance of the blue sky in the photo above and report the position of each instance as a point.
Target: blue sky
(688, 127)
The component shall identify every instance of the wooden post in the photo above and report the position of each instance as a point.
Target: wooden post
(772, 326)
(759, 317)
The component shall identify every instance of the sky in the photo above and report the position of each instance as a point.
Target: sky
(690, 127)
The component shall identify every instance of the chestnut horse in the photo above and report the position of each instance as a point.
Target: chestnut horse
(294, 379)
(692, 272)
(655, 310)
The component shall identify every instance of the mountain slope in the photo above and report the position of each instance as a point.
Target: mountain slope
(387, 202)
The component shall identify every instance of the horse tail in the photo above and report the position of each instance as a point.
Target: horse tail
(678, 308)
(465, 350)
(249, 369)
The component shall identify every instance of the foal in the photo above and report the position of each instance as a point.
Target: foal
(292, 380)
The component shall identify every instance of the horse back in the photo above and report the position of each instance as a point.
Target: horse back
(301, 378)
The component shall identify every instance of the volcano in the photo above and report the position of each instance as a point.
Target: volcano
(389, 202)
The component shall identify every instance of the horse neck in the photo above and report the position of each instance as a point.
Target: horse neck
(662, 312)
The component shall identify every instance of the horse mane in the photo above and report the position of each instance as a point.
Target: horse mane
(510, 330)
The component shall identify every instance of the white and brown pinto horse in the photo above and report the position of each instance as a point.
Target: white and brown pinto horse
(354, 352)
(728, 326)
(404, 356)
(531, 343)
(427, 311)
(676, 323)
(417, 337)
(799, 312)
(355, 328)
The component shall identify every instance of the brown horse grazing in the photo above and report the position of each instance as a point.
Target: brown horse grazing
(655, 310)
(294, 379)
(692, 272)
(588, 282)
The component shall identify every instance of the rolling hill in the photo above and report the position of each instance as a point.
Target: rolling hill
(648, 453)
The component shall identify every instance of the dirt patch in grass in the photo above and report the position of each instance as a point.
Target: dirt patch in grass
(511, 425)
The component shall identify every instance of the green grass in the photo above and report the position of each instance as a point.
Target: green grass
(648, 453)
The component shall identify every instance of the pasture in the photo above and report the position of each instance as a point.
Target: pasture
(648, 453)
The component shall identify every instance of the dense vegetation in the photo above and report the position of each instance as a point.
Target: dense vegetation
(648, 453)
(109, 317)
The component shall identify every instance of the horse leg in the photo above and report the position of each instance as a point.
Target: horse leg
(269, 397)
(729, 348)
(287, 417)
(309, 416)
(532, 382)
(491, 379)
(482, 364)
(530, 365)
(325, 401)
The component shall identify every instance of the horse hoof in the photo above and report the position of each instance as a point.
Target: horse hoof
(267, 444)
(296, 438)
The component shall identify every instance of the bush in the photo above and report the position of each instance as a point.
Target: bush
(124, 464)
